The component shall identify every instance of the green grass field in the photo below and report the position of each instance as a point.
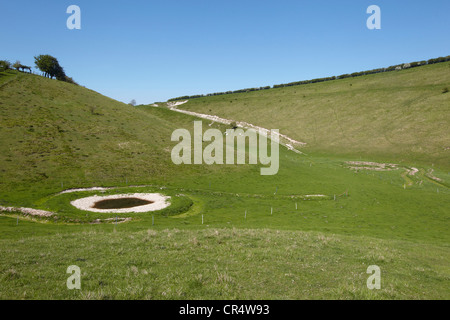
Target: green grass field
(262, 237)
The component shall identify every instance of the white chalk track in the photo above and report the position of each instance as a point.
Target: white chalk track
(159, 202)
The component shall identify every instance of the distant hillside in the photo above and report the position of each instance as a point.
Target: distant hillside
(399, 115)
(332, 78)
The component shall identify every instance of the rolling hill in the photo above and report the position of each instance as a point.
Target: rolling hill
(310, 231)
(400, 116)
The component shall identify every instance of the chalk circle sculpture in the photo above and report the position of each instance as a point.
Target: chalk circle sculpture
(123, 203)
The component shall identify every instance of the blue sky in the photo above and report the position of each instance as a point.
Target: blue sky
(155, 50)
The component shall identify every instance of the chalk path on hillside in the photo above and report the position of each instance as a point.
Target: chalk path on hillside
(28, 211)
(409, 172)
(289, 143)
(284, 140)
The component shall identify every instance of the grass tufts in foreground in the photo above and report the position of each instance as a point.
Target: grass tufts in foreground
(220, 264)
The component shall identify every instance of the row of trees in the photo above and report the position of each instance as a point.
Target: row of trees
(219, 93)
(51, 68)
(46, 63)
(342, 76)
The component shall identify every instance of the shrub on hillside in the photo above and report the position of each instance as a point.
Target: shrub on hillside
(70, 80)
(5, 65)
(16, 65)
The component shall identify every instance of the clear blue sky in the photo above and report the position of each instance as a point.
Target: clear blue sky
(155, 50)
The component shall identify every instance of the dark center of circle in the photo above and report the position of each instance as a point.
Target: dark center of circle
(120, 203)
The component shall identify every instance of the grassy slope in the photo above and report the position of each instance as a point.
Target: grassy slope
(57, 135)
(398, 116)
(50, 135)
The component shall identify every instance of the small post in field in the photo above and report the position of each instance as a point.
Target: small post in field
(153, 220)
(245, 217)
(202, 219)
(296, 206)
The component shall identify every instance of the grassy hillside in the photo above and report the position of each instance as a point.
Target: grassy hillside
(57, 135)
(262, 237)
(400, 116)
